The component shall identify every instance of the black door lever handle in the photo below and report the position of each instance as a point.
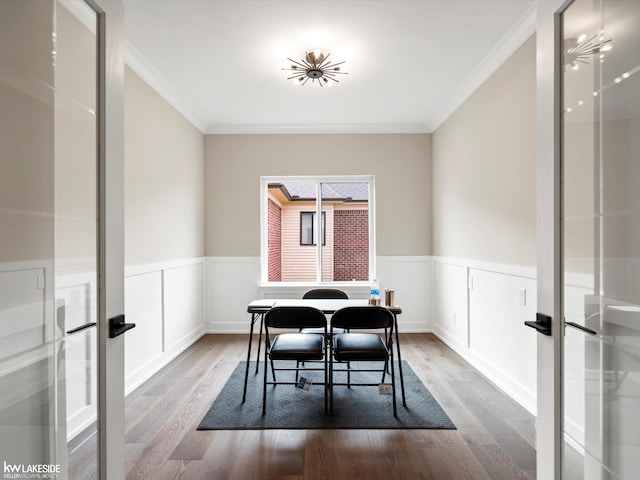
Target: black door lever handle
(580, 327)
(118, 327)
(542, 324)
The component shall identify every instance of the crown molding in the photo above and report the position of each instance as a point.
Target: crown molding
(517, 35)
(134, 60)
(399, 128)
(155, 80)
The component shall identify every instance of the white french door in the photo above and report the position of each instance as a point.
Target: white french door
(61, 238)
(600, 171)
(588, 237)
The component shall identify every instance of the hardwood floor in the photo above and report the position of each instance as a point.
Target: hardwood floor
(494, 437)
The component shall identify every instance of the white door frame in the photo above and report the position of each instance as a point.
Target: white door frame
(111, 236)
(549, 441)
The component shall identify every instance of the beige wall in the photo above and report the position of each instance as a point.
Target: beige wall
(401, 165)
(26, 131)
(164, 189)
(75, 145)
(484, 172)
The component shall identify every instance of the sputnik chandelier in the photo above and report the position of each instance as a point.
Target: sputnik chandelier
(578, 50)
(315, 66)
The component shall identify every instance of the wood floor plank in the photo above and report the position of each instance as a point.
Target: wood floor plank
(473, 432)
(497, 463)
(163, 443)
(287, 458)
(176, 470)
(517, 416)
(161, 413)
(451, 458)
(485, 406)
(137, 409)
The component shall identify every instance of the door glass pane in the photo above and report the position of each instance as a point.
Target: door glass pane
(601, 227)
(47, 238)
(76, 234)
(28, 347)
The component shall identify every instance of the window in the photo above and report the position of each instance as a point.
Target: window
(308, 232)
(290, 223)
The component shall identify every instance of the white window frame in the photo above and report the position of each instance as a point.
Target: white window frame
(264, 246)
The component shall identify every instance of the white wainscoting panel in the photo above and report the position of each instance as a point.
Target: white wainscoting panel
(25, 347)
(143, 345)
(22, 312)
(166, 302)
(76, 307)
(183, 305)
(231, 283)
(451, 304)
(410, 278)
(479, 313)
(503, 347)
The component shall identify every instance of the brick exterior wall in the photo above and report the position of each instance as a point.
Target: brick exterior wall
(274, 242)
(351, 245)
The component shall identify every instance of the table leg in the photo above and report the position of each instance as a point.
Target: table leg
(259, 341)
(395, 321)
(246, 372)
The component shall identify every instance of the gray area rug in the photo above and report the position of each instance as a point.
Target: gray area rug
(289, 407)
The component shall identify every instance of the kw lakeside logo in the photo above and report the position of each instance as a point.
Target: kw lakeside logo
(30, 471)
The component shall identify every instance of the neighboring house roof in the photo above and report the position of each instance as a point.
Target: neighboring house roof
(355, 192)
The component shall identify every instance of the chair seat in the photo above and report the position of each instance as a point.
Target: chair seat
(298, 346)
(359, 346)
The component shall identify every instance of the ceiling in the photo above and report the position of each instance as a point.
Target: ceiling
(410, 64)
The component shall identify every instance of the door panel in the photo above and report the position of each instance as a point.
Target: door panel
(55, 258)
(27, 352)
(601, 234)
(76, 261)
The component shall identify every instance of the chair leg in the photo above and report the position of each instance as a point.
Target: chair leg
(264, 384)
(331, 383)
(393, 385)
(267, 345)
(326, 385)
(259, 341)
(386, 369)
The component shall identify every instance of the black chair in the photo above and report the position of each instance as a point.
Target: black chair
(325, 293)
(299, 347)
(352, 346)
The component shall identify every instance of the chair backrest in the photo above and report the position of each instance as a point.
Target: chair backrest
(295, 317)
(325, 293)
(354, 318)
